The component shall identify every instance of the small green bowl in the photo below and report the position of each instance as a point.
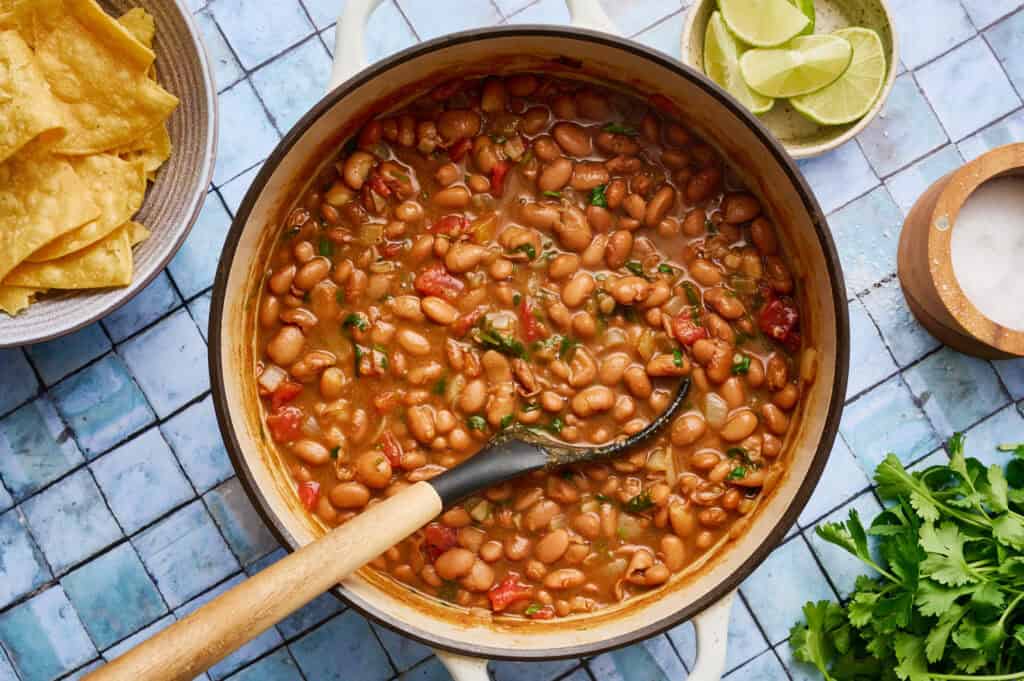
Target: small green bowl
(802, 137)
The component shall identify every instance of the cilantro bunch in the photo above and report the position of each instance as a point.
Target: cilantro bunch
(946, 599)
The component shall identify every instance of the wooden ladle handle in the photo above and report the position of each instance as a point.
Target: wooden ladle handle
(190, 646)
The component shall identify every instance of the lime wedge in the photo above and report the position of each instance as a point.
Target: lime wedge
(722, 64)
(763, 23)
(806, 64)
(850, 97)
(807, 7)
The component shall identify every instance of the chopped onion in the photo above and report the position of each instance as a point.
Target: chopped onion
(657, 460)
(310, 427)
(454, 389)
(480, 510)
(646, 345)
(674, 305)
(715, 410)
(272, 377)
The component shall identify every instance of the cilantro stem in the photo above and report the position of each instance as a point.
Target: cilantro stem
(969, 677)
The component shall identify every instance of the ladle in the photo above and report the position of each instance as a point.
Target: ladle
(190, 646)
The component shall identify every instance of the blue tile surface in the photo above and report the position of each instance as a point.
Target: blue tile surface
(955, 390)
(245, 132)
(344, 642)
(95, 444)
(70, 521)
(841, 567)
(195, 265)
(278, 666)
(259, 31)
(925, 35)
(102, 404)
(292, 84)
(867, 234)
(20, 381)
(778, 588)
(245, 531)
(173, 342)
(156, 300)
(57, 358)
(113, 595)
(44, 636)
(970, 73)
(193, 435)
(141, 480)
(887, 419)
(185, 554)
(22, 566)
(905, 130)
(906, 339)
(36, 448)
(908, 184)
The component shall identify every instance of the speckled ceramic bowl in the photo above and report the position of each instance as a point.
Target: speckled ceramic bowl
(172, 203)
(801, 137)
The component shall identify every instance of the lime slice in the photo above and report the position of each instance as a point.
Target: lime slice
(807, 7)
(722, 64)
(806, 64)
(763, 23)
(850, 97)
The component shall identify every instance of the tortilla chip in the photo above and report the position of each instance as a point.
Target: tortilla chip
(139, 23)
(97, 70)
(27, 107)
(14, 299)
(118, 187)
(105, 263)
(137, 232)
(152, 149)
(41, 198)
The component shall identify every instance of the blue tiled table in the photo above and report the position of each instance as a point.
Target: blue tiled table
(119, 511)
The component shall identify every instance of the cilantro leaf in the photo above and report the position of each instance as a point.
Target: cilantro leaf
(813, 643)
(910, 651)
(945, 562)
(1008, 529)
(597, 196)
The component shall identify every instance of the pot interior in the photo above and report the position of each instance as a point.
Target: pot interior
(756, 159)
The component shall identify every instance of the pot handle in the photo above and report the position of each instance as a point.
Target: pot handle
(350, 53)
(463, 668)
(712, 627)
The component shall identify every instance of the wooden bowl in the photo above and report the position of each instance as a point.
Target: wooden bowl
(172, 203)
(802, 137)
(926, 268)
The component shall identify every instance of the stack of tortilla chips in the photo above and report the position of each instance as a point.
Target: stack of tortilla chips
(82, 129)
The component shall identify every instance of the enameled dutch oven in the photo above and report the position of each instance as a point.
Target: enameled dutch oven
(704, 594)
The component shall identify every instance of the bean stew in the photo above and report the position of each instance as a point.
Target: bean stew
(544, 253)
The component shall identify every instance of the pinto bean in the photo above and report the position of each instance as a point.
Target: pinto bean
(534, 120)
(454, 563)
(596, 398)
(578, 289)
(561, 266)
(589, 174)
(456, 124)
(659, 205)
(357, 168)
(572, 138)
(552, 546)
(463, 257)
(555, 175)
(704, 184)
(349, 495)
(618, 249)
(413, 342)
(439, 310)
(421, 423)
(452, 198)
(740, 207)
(373, 469)
(565, 578)
(572, 230)
(763, 235)
(539, 215)
(286, 346)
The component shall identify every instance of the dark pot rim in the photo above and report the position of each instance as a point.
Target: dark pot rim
(831, 425)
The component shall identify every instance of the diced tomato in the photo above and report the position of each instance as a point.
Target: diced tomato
(498, 173)
(439, 538)
(450, 225)
(286, 392)
(532, 329)
(663, 103)
(436, 281)
(508, 592)
(446, 91)
(779, 320)
(686, 329)
(463, 324)
(309, 494)
(545, 613)
(460, 149)
(385, 401)
(392, 448)
(285, 423)
(378, 185)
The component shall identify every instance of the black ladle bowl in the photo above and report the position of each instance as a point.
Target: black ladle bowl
(193, 644)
